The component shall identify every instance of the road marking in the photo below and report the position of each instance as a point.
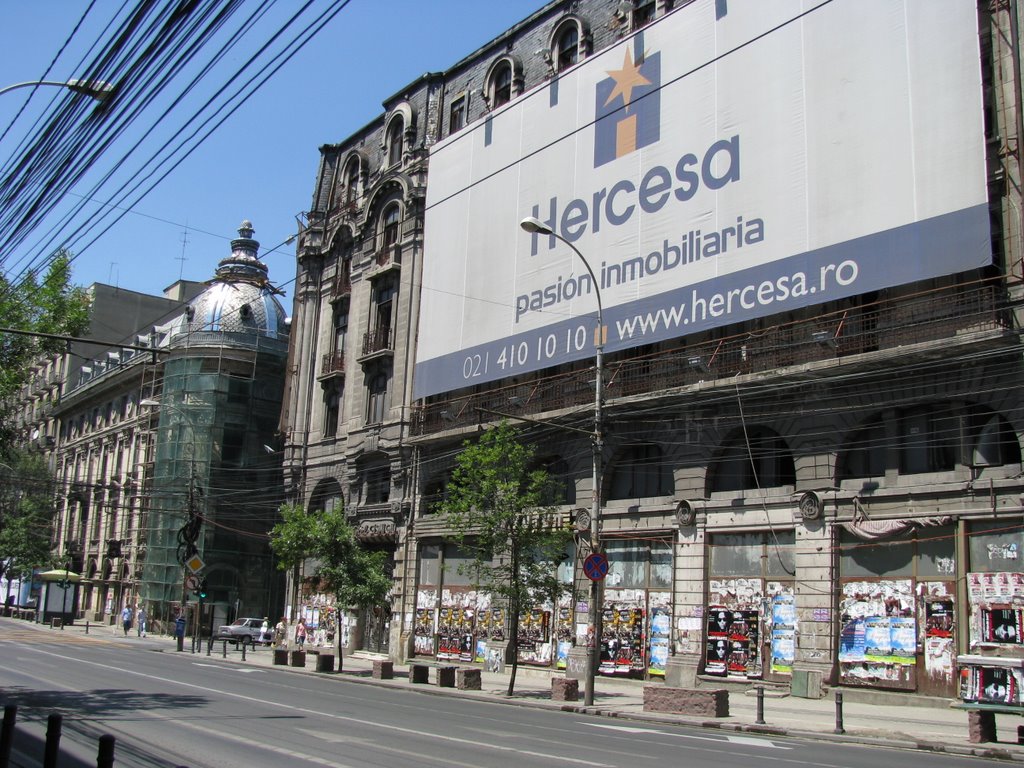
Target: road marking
(750, 741)
(344, 718)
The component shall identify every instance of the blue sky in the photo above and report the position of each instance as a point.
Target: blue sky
(261, 163)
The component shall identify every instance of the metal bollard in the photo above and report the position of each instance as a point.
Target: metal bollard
(209, 646)
(87, 627)
(839, 713)
(243, 651)
(105, 756)
(52, 749)
(760, 705)
(7, 734)
(223, 649)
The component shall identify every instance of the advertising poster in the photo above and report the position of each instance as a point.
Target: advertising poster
(563, 636)
(534, 641)
(622, 641)
(717, 656)
(853, 642)
(877, 639)
(1002, 625)
(903, 640)
(939, 618)
(661, 631)
(783, 635)
(423, 635)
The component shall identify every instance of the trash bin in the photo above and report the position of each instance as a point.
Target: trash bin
(325, 662)
(281, 657)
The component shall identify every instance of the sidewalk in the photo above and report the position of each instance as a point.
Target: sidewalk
(900, 725)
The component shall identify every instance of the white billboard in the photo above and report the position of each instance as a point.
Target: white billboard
(727, 162)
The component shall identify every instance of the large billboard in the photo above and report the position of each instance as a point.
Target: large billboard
(730, 161)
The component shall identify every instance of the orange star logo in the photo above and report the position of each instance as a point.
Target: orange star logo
(626, 79)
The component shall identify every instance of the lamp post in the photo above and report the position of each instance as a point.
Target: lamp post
(94, 89)
(535, 226)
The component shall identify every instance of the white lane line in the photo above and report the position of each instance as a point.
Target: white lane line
(750, 741)
(344, 718)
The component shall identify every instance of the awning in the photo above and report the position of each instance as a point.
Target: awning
(60, 575)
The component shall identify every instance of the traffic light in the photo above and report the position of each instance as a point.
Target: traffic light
(202, 589)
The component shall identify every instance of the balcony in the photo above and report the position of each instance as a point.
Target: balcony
(332, 366)
(937, 318)
(377, 342)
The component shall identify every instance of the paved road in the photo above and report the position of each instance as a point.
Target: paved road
(168, 709)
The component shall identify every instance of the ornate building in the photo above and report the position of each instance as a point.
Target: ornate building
(811, 418)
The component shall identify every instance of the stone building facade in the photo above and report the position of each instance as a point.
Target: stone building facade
(829, 495)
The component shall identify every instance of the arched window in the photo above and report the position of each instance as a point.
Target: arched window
(995, 442)
(500, 89)
(567, 46)
(395, 138)
(639, 472)
(756, 459)
(351, 180)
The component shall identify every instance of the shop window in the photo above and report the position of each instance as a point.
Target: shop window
(567, 46)
(395, 138)
(753, 555)
(928, 440)
(640, 472)
(457, 115)
(864, 455)
(430, 565)
(751, 460)
(458, 563)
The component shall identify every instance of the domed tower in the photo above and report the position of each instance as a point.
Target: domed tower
(217, 471)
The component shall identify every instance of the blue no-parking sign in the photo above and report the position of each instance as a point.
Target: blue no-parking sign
(596, 566)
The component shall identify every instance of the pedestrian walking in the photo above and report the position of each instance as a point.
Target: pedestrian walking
(281, 633)
(140, 622)
(126, 619)
(300, 634)
(265, 630)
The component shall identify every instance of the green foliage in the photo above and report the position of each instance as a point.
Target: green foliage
(27, 509)
(47, 305)
(356, 576)
(497, 507)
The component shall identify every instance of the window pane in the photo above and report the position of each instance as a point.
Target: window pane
(627, 562)
(996, 546)
(661, 565)
(455, 560)
(736, 555)
(780, 557)
(936, 549)
(894, 557)
(429, 565)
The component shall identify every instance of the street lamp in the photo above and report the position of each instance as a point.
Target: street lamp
(94, 89)
(535, 226)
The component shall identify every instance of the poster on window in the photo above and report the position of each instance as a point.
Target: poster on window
(622, 641)
(902, 640)
(563, 636)
(1002, 625)
(783, 637)
(991, 685)
(853, 641)
(423, 634)
(661, 631)
(938, 620)
(717, 656)
(533, 642)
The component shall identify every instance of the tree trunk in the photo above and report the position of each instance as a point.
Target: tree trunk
(513, 639)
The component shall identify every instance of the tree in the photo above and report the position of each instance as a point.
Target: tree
(27, 509)
(357, 577)
(50, 305)
(497, 505)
